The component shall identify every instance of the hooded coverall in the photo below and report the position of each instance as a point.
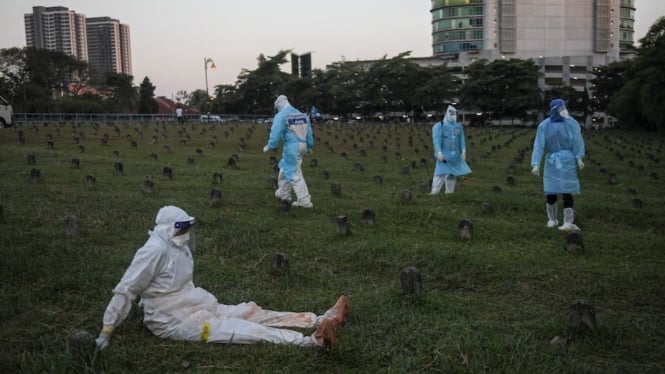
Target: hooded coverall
(295, 129)
(161, 274)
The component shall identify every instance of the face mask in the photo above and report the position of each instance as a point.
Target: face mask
(564, 113)
(453, 118)
(180, 240)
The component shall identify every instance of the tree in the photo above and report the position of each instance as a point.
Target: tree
(147, 102)
(435, 86)
(502, 87)
(344, 87)
(577, 102)
(256, 90)
(122, 97)
(198, 99)
(607, 81)
(639, 103)
(34, 78)
(388, 84)
(182, 96)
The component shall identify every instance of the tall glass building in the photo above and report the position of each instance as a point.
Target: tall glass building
(494, 29)
(565, 38)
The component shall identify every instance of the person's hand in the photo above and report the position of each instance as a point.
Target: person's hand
(463, 155)
(102, 342)
(104, 337)
(580, 164)
(439, 156)
(535, 171)
(265, 149)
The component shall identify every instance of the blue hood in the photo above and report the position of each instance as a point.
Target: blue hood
(555, 107)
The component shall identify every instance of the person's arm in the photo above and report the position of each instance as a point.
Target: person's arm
(437, 135)
(136, 279)
(462, 142)
(578, 141)
(538, 149)
(276, 131)
(310, 137)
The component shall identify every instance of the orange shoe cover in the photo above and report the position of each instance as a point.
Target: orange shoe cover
(325, 334)
(337, 314)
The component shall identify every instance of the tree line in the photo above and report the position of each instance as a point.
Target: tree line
(630, 90)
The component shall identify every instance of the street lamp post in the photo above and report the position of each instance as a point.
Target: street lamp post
(206, 61)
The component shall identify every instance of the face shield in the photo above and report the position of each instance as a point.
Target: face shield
(563, 112)
(174, 224)
(451, 115)
(182, 232)
(558, 110)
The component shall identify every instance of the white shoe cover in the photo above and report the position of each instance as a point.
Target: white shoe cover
(551, 215)
(568, 218)
(569, 227)
(302, 204)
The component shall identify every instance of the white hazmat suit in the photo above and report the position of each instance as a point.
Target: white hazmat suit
(161, 274)
(295, 129)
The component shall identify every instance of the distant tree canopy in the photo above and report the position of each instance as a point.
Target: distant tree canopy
(39, 80)
(147, 102)
(631, 91)
(638, 103)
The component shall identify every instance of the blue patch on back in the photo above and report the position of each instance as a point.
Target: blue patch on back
(296, 119)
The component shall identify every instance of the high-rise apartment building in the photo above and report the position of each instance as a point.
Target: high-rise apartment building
(493, 29)
(565, 38)
(108, 47)
(101, 41)
(57, 29)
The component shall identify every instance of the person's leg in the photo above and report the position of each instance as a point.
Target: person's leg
(568, 214)
(337, 314)
(303, 198)
(283, 191)
(551, 208)
(451, 181)
(247, 323)
(437, 183)
(252, 312)
(241, 331)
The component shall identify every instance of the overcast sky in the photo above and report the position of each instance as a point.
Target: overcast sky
(170, 39)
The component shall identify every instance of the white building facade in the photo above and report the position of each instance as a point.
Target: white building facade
(565, 38)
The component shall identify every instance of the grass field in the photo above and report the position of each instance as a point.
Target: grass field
(496, 303)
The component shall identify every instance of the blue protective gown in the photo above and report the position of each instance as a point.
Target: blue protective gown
(291, 150)
(448, 138)
(560, 138)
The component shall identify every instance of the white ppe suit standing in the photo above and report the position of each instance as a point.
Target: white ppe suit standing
(161, 274)
(449, 151)
(295, 129)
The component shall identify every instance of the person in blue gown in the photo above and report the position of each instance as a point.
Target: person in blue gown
(559, 139)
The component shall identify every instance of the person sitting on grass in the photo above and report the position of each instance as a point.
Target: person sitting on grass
(174, 308)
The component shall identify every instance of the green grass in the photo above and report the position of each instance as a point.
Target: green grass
(491, 304)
